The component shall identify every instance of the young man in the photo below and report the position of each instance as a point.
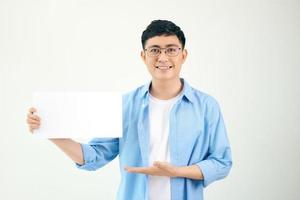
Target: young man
(174, 140)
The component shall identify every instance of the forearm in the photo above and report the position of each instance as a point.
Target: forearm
(192, 172)
(71, 148)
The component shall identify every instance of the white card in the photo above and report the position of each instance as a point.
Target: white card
(79, 114)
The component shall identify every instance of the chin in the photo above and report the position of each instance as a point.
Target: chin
(164, 77)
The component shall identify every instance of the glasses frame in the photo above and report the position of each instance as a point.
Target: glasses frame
(165, 50)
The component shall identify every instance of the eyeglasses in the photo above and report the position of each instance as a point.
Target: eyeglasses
(156, 51)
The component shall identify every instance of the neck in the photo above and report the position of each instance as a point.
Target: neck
(165, 89)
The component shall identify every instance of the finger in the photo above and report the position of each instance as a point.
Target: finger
(135, 169)
(32, 110)
(34, 117)
(156, 163)
(166, 167)
(161, 164)
(34, 126)
(29, 115)
(143, 170)
(33, 122)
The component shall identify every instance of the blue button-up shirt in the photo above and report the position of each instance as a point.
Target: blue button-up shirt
(197, 137)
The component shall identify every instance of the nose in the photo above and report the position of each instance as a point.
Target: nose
(162, 57)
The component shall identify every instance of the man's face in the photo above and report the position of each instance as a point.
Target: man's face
(165, 65)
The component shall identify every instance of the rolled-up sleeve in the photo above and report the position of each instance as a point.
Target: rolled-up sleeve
(218, 162)
(98, 152)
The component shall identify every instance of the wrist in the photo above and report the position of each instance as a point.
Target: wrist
(178, 172)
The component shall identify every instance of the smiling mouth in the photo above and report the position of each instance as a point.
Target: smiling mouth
(163, 67)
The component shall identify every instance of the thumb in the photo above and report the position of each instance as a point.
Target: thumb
(158, 164)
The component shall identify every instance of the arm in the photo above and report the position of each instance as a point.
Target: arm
(98, 152)
(71, 148)
(218, 162)
(86, 156)
(192, 172)
(167, 169)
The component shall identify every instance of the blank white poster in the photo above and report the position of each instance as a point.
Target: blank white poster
(79, 114)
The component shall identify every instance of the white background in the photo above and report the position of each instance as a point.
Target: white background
(244, 53)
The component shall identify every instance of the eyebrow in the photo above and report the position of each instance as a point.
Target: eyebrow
(168, 45)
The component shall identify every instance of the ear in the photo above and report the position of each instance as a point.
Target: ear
(143, 56)
(184, 55)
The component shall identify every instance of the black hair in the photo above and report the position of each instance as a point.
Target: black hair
(162, 27)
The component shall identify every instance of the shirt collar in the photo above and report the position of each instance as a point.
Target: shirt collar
(186, 93)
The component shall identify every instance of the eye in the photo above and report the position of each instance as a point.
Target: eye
(154, 50)
(171, 49)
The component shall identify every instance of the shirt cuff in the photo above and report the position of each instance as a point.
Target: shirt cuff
(208, 170)
(88, 156)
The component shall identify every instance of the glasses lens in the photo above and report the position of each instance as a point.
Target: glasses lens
(172, 51)
(154, 51)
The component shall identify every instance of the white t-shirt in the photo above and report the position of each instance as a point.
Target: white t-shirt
(159, 118)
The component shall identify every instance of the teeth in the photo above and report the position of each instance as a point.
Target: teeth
(163, 67)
